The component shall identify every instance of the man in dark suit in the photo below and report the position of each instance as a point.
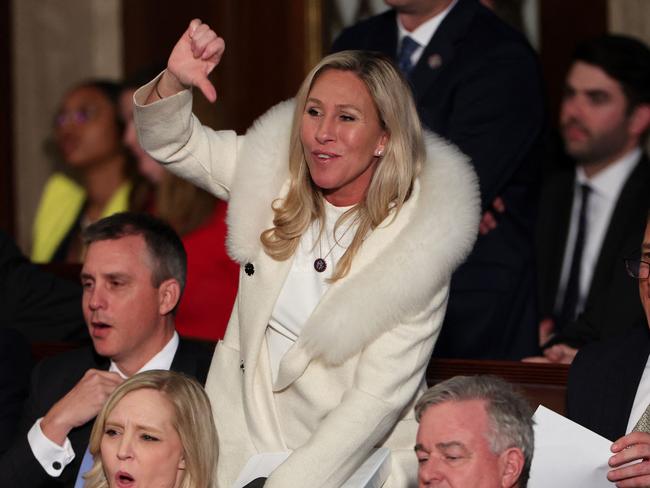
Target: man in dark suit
(477, 83)
(592, 216)
(609, 384)
(133, 277)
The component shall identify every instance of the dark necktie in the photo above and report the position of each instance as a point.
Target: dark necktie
(406, 50)
(572, 291)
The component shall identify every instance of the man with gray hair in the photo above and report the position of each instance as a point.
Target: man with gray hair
(474, 431)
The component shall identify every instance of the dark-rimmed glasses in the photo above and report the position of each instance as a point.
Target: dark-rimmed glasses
(637, 268)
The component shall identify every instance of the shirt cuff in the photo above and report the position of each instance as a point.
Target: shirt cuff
(50, 455)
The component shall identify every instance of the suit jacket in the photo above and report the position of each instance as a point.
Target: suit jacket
(41, 305)
(613, 299)
(478, 84)
(348, 383)
(52, 379)
(603, 380)
(15, 366)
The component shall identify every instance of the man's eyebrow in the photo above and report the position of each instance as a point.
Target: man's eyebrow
(597, 92)
(447, 445)
(117, 276)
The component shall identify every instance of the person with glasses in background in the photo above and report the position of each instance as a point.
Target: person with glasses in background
(94, 183)
(609, 386)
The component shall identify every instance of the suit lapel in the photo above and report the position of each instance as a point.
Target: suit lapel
(632, 200)
(262, 288)
(624, 379)
(554, 234)
(384, 37)
(439, 53)
(184, 362)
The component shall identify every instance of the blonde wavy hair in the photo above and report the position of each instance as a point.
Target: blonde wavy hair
(392, 181)
(192, 420)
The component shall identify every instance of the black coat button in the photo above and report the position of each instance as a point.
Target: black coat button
(56, 465)
(249, 269)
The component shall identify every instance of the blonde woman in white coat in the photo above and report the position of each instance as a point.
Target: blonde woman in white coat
(348, 222)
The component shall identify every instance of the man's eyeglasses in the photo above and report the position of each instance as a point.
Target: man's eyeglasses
(637, 268)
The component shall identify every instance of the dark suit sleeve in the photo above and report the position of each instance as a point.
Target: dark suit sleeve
(15, 366)
(578, 388)
(41, 305)
(51, 379)
(497, 117)
(18, 465)
(603, 380)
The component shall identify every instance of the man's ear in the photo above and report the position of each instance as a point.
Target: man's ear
(169, 292)
(511, 462)
(640, 120)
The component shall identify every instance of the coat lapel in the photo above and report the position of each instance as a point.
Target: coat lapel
(383, 38)
(261, 289)
(439, 53)
(633, 200)
(552, 231)
(624, 380)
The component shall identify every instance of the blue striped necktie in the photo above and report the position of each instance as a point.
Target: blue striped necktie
(406, 50)
(86, 465)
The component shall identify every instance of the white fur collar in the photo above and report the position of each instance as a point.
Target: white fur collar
(401, 266)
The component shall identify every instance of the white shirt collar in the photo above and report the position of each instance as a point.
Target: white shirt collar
(162, 360)
(423, 33)
(609, 181)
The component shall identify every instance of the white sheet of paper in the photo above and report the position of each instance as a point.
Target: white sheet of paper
(567, 454)
(371, 474)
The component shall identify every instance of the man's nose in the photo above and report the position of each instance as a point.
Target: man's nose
(429, 473)
(571, 109)
(97, 300)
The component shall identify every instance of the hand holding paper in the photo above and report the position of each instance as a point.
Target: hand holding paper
(633, 447)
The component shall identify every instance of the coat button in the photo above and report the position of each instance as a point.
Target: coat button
(241, 366)
(56, 465)
(249, 269)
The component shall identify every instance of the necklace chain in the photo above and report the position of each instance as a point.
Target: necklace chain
(320, 263)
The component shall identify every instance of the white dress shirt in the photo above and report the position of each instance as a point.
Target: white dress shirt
(304, 286)
(606, 187)
(641, 399)
(48, 453)
(423, 33)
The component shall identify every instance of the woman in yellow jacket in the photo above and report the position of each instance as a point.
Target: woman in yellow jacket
(88, 134)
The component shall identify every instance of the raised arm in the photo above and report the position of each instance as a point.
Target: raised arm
(168, 130)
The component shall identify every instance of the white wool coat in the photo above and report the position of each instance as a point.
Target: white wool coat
(349, 382)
